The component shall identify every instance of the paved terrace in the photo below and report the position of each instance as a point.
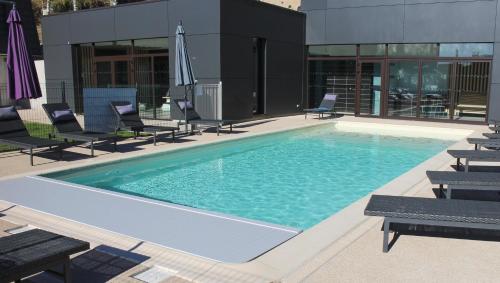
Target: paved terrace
(354, 255)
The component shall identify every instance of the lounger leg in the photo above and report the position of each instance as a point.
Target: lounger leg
(305, 116)
(173, 136)
(466, 165)
(67, 271)
(448, 192)
(475, 147)
(231, 128)
(31, 156)
(154, 138)
(218, 129)
(385, 247)
(458, 164)
(92, 148)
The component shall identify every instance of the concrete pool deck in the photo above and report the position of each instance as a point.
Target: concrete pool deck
(344, 247)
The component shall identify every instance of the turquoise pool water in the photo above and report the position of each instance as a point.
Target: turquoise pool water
(295, 178)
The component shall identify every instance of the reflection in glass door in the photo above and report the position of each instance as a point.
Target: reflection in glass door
(436, 90)
(370, 97)
(402, 92)
(471, 90)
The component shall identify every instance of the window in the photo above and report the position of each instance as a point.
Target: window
(402, 50)
(466, 50)
(332, 50)
(372, 50)
(113, 48)
(151, 46)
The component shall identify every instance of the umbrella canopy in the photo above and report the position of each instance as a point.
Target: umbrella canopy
(183, 70)
(22, 82)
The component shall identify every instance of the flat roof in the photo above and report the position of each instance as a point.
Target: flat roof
(207, 234)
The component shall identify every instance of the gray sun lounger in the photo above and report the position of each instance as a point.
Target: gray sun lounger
(327, 106)
(487, 143)
(495, 129)
(474, 155)
(195, 119)
(492, 135)
(34, 251)
(14, 133)
(133, 122)
(433, 212)
(464, 181)
(71, 130)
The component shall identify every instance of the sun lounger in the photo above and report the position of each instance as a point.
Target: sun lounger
(129, 119)
(464, 180)
(68, 128)
(488, 143)
(14, 133)
(326, 106)
(474, 155)
(492, 135)
(433, 212)
(195, 119)
(495, 129)
(34, 251)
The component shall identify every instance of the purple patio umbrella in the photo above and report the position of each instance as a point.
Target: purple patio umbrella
(22, 82)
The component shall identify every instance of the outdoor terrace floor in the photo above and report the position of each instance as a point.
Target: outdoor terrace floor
(324, 253)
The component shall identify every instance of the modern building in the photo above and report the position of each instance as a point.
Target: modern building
(414, 59)
(26, 12)
(256, 50)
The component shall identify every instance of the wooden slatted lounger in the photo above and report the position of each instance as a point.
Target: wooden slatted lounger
(433, 212)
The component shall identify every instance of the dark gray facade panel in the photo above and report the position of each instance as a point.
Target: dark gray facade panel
(154, 21)
(316, 27)
(56, 30)
(58, 63)
(308, 5)
(334, 4)
(495, 73)
(198, 17)
(236, 98)
(257, 19)
(282, 62)
(494, 103)
(365, 25)
(288, 101)
(450, 22)
(92, 26)
(204, 53)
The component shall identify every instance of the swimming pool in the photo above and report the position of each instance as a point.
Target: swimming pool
(296, 178)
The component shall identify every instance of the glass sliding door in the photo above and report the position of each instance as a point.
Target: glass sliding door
(471, 90)
(370, 94)
(436, 90)
(333, 76)
(402, 94)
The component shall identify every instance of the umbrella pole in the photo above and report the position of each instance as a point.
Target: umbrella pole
(185, 110)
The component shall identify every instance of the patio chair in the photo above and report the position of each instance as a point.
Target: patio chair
(34, 251)
(128, 118)
(433, 212)
(485, 181)
(13, 133)
(195, 119)
(474, 155)
(68, 128)
(326, 107)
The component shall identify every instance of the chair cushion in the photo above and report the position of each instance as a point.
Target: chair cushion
(8, 113)
(63, 115)
(188, 103)
(125, 109)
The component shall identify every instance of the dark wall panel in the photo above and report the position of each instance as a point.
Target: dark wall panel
(154, 20)
(92, 26)
(198, 17)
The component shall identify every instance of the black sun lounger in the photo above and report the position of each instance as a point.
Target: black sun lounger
(488, 143)
(327, 106)
(33, 251)
(492, 135)
(68, 128)
(464, 180)
(495, 129)
(129, 119)
(433, 212)
(194, 118)
(474, 155)
(14, 133)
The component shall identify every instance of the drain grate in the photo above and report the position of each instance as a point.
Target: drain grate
(155, 274)
(21, 229)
